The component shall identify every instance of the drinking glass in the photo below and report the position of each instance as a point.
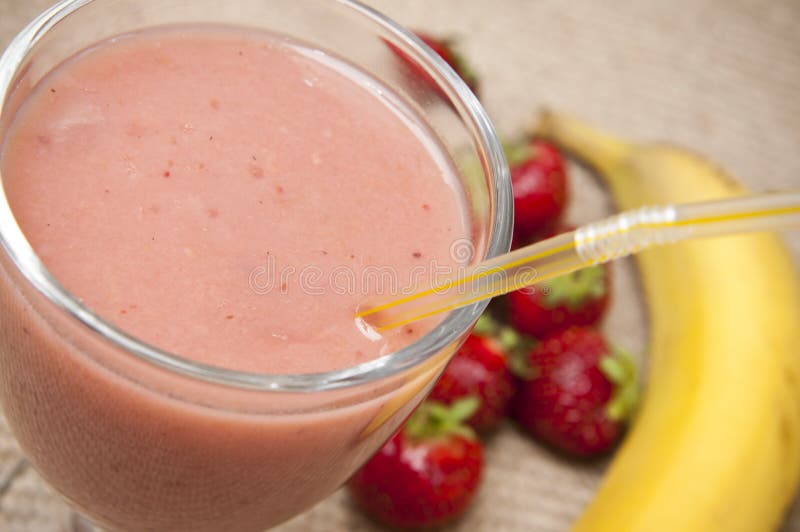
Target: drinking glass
(139, 439)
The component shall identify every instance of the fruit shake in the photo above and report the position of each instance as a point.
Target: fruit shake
(230, 197)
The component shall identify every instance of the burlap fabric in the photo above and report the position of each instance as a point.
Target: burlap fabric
(720, 76)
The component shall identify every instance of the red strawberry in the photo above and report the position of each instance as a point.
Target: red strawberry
(577, 298)
(446, 50)
(539, 184)
(427, 474)
(579, 393)
(479, 369)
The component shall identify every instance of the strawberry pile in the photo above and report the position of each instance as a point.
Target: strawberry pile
(538, 357)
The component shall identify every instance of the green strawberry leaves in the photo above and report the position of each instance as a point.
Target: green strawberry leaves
(434, 419)
(620, 369)
(574, 288)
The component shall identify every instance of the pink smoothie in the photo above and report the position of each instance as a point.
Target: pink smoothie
(230, 197)
(179, 183)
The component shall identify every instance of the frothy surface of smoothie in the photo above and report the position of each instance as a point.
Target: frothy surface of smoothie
(229, 196)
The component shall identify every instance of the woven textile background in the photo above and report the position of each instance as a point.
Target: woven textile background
(720, 76)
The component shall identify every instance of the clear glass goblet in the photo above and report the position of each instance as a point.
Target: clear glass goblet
(139, 439)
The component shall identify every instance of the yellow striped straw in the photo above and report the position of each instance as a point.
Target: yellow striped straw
(612, 238)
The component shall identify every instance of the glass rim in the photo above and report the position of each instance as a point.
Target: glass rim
(23, 257)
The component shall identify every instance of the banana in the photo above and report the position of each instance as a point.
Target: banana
(716, 442)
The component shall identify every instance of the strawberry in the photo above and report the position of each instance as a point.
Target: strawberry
(539, 184)
(579, 392)
(577, 298)
(425, 475)
(446, 50)
(480, 369)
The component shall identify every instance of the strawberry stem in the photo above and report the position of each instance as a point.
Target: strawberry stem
(433, 419)
(574, 288)
(620, 369)
(518, 152)
(510, 340)
(516, 346)
(486, 326)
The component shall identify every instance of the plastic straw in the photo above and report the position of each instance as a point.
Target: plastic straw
(618, 236)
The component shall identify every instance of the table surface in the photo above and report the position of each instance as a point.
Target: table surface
(719, 76)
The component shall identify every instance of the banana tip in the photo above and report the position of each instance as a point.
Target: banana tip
(543, 123)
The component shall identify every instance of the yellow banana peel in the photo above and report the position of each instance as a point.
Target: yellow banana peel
(716, 442)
